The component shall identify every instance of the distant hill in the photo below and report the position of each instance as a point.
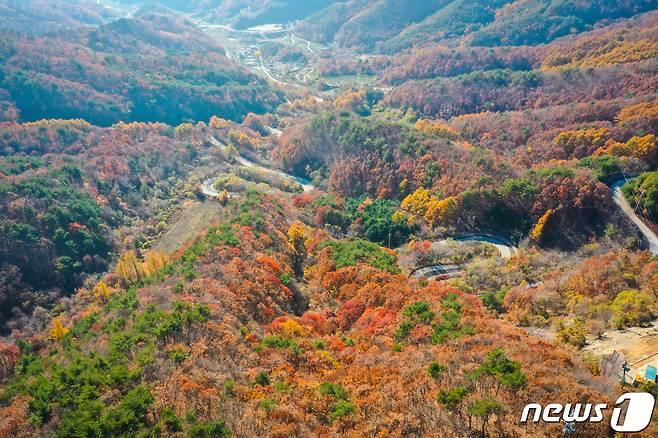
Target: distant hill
(393, 25)
(129, 69)
(368, 22)
(245, 13)
(39, 16)
(610, 62)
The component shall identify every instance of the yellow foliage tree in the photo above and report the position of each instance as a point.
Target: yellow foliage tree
(639, 147)
(296, 237)
(404, 185)
(240, 139)
(538, 230)
(417, 201)
(223, 197)
(129, 268)
(297, 243)
(441, 211)
(436, 129)
(183, 130)
(582, 141)
(638, 111)
(154, 262)
(102, 291)
(292, 328)
(400, 216)
(642, 147)
(600, 51)
(57, 329)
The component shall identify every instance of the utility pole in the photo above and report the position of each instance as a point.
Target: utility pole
(625, 369)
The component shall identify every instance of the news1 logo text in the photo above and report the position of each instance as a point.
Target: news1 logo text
(638, 412)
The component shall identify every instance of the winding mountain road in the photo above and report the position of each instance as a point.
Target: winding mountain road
(434, 271)
(621, 201)
(308, 43)
(504, 247)
(507, 250)
(207, 186)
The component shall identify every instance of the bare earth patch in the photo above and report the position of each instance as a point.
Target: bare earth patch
(195, 217)
(639, 345)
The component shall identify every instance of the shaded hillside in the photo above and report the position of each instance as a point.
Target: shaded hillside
(381, 20)
(259, 12)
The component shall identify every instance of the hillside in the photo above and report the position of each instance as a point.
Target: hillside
(97, 191)
(37, 17)
(390, 26)
(378, 21)
(605, 66)
(394, 25)
(220, 339)
(244, 14)
(127, 70)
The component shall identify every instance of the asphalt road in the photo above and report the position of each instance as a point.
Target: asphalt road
(507, 251)
(208, 190)
(626, 208)
(505, 248)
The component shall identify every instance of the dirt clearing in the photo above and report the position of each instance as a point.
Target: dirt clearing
(195, 217)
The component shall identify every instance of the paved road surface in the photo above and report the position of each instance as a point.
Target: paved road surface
(437, 270)
(505, 248)
(626, 208)
(507, 251)
(208, 190)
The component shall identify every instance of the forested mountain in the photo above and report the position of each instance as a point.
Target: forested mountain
(241, 14)
(393, 25)
(67, 186)
(394, 218)
(45, 16)
(244, 13)
(389, 26)
(613, 62)
(129, 70)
